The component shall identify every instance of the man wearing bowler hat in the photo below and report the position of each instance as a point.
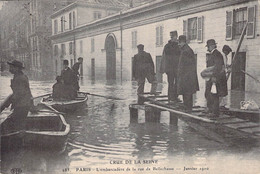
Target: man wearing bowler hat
(21, 98)
(187, 83)
(143, 67)
(215, 60)
(169, 65)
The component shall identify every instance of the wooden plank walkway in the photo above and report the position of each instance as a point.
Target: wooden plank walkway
(225, 123)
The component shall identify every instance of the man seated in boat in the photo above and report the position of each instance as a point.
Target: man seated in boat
(69, 79)
(21, 99)
(75, 68)
(58, 89)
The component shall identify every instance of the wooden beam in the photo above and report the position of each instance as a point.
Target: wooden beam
(181, 113)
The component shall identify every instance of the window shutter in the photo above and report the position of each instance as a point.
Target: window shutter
(229, 25)
(185, 28)
(157, 36)
(250, 32)
(200, 29)
(161, 35)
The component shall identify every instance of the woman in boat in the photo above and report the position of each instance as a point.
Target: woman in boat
(21, 98)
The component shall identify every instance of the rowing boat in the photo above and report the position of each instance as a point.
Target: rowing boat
(46, 129)
(66, 105)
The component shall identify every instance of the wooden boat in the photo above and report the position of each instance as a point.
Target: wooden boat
(45, 130)
(226, 128)
(66, 105)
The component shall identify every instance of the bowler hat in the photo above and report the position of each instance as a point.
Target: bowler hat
(211, 42)
(174, 33)
(140, 46)
(182, 38)
(16, 63)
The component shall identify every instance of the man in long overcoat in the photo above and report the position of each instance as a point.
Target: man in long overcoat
(143, 67)
(70, 80)
(21, 98)
(75, 68)
(187, 83)
(215, 60)
(169, 65)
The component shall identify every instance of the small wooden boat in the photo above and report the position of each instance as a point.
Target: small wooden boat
(45, 130)
(226, 128)
(66, 105)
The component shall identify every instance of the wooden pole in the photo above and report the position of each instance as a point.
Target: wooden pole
(237, 50)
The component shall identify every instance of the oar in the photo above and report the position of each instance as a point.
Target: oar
(6, 102)
(41, 96)
(251, 76)
(54, 112)
(108, 97)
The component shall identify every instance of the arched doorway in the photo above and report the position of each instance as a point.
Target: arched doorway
(110, 46)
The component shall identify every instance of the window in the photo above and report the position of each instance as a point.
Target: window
(81, 46)
(236, 21)
(56, 51)
(92, 45)
(70, 21)
(134, 39)
(55, 26)
(71, 48)
(193, 29)
(62, 23)
(63, 50)
(240, 19)
(97, 15)
(159, 36)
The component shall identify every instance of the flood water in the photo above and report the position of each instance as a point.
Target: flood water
(101, 134)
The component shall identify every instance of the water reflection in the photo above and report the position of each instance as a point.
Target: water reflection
(101, 132)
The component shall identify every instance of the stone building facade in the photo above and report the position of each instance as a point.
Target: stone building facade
(108, 44)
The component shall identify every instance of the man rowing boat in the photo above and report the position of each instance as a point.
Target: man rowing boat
(21, 99)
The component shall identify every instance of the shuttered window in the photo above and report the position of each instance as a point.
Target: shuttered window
(229, 25)
(192, 28)
(200, 29)
(237, 19)
(185, 28)
(92, 45)
(251, 22)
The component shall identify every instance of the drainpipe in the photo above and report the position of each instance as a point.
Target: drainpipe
(121, 49)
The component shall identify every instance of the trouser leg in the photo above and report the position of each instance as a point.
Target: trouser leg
(175, 79)
(208, 95)
(170, 78)
(140, 83)
(215, 104)
(152, 79)
(19, 117)
(187, 101)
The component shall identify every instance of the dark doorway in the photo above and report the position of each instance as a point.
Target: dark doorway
(110, 58)
(92, 69)
(158, 64)
(237, 76)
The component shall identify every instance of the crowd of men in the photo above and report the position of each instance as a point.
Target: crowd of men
(179, 64)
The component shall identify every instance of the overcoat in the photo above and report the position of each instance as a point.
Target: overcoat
(22, 96)
(143, 65)
(187, 72)
(216, 59)
(170, 58)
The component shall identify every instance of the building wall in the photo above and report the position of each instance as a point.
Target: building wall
(214, 27)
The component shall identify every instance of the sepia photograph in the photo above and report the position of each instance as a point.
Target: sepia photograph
(130, 86)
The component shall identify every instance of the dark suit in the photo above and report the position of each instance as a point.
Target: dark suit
(75, 68)
(169, 65)
(187, 76)
(216, 60)
(143, 67)
(70, 81)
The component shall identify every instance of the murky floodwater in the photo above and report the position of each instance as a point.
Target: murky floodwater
(101, 133)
